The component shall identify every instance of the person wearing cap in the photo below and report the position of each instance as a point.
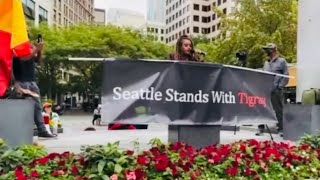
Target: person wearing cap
(97, 114)
(278, 65)
(54, 119)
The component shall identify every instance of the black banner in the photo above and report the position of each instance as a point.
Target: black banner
(184, 93)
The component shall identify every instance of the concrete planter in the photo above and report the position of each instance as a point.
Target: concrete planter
(16, 121)
(299, 120)
(198, 136)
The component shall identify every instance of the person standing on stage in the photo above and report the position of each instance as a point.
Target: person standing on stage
(278, 65)
(24, 75)
(184, 50)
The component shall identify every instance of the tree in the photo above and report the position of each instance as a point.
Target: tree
(88, 41)
(255, 23)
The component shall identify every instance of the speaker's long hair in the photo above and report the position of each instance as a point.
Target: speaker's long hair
(179, 44)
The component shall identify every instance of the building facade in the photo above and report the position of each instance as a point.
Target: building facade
(126, 18)
(70, 12)
(156, 19)
(194, 18)
(99, 16)
(37, 11)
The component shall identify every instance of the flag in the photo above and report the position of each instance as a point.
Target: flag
(13, 38)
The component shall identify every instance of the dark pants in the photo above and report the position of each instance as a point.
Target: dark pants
(277, 104)
(38, 119)
(95, 117)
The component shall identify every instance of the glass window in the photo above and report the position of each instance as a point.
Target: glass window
(31, 4)
(43, 12)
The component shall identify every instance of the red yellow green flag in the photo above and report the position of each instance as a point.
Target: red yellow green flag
(13, 38)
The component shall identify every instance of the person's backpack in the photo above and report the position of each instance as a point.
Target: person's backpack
(311, 97)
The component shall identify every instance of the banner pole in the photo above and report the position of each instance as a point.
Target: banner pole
(157, 60)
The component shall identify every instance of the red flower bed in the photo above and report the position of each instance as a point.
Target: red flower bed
(245, 159)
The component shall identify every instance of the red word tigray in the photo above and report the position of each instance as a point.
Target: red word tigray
(251, 101)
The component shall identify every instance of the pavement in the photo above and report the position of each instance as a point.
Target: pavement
(74, 136)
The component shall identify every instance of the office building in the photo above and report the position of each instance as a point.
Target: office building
(126, 18)
(70, 12)
(156, 19)
(99, 16)
(37, 11)
(194, 18)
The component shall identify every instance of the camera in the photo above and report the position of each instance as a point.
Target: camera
(242, 58)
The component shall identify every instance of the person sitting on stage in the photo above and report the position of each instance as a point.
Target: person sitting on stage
(184, 50)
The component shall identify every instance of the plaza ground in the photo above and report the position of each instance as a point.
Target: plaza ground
(74, 135)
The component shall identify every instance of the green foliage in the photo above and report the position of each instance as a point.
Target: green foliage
(13, 157)
(313, 140)
(107, 159)
(88, 41)
(255, 23)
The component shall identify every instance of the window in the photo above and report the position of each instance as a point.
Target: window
(196, 7)
(206, 8)
(43, 12)
(188, 30)
(218, 26)
(224, 11)
(219, 2)
(161, 38)
(213, 17)
(59, 20)
(205, 30)
(224, 1)
(206, 19)
(214, 4)
(196, 29)
(54, 15)
(213, 28)
(196, 18)
(30, 4)
(180, 23)
(162, 31)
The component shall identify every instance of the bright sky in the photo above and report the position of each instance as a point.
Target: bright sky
(135, 5)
